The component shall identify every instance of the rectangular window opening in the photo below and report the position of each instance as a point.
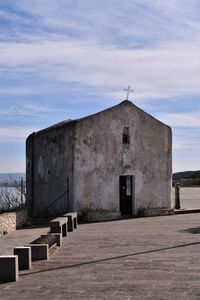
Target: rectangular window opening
(128, 186)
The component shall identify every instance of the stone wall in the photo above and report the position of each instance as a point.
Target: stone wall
(99, 215)
(11, 221)
(153, 212)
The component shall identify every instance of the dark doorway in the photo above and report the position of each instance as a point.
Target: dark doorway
(126, 194)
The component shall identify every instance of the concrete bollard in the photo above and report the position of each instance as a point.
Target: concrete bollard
(58, 237)
(72, 220)
(177, 196)
(24, 257)
(39, 252)
(59, 225)
(9, 268)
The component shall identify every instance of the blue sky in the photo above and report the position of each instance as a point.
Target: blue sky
(63, 59)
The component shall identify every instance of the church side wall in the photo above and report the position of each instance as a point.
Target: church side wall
(100, 157)
(50, 175)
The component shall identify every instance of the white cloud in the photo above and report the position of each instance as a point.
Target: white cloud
(15, 134)
(186, 164)
(185, 143)
(16, 90)
(98, 47)
(168, 70)
(103, 20)
(183, 119)
(29, 109)
(12, 165)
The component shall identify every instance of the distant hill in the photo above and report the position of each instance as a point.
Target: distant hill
(186, 175)
(11, 176)
(187, 178)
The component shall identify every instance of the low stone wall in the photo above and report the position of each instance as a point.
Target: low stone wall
(98, 215)
(152, 212)
(21, 218)
(11, 221)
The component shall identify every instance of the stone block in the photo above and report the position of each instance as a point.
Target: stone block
(24, 257)
(39, 252)
(56, 229)
(72, 220)
(59, 225)
(9, 268)
(58, 237)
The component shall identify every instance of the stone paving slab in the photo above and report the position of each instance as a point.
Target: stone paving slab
(142, 258)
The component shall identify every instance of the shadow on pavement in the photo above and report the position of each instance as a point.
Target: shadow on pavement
(194, 230)
(112, 258)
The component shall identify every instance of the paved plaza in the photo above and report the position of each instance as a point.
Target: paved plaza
(141, 258)
(190, 197)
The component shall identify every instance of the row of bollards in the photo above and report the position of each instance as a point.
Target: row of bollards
(39, 249)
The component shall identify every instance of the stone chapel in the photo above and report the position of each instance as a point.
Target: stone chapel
(117, 162)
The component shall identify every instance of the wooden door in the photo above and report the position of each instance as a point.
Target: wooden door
(126, 194)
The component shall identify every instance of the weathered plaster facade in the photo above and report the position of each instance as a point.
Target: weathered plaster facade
(76, 165)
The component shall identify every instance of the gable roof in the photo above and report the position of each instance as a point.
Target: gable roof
(70, 122)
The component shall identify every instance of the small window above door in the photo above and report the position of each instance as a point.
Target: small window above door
(126, 136)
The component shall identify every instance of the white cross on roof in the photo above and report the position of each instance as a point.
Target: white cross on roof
(128, 90)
